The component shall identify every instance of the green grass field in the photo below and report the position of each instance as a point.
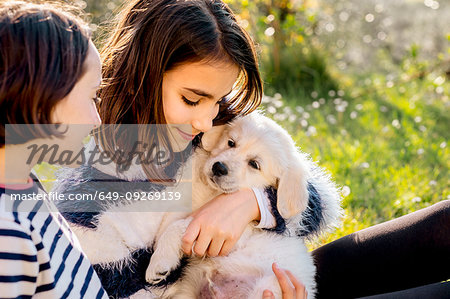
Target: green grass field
(384, 140)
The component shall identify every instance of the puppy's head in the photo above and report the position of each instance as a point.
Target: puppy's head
(254, 151)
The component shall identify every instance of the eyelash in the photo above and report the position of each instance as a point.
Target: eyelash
(190, 103)
(96, 100)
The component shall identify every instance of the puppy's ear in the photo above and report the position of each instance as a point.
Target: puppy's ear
(210, 138)
(292, 193)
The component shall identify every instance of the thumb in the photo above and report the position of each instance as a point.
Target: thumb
(268, 295)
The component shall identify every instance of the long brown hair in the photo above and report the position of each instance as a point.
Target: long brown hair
(42, 51)
(155, 36)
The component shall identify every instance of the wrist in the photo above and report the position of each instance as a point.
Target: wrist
(251, 203)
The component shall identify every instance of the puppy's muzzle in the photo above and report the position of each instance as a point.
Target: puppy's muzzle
(219, 169)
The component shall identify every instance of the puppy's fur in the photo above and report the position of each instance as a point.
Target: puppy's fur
(252, 151)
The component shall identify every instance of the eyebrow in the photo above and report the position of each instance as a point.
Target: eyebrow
(204, 94)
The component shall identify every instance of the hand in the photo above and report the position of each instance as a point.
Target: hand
(290, 286)
(218, 225)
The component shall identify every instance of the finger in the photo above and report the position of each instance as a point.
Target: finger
(268, 295)
(202, 243)
(300, 289)
(226, 248)
(189, 237)
(287, 289)
(215, 247)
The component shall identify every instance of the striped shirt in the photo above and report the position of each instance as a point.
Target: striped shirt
(39, 256)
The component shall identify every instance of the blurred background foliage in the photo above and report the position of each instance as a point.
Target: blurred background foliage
(363, 86)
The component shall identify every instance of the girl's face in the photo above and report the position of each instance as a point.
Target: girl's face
(191, 96)
(78, 109)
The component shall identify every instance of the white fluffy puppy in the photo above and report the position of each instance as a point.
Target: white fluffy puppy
(252, 151)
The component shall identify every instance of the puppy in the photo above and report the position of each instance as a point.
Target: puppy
(252, 151)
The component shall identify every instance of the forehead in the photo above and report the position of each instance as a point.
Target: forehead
(214, 77)
(92, 66)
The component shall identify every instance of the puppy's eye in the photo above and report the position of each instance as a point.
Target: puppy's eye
(254, 164)
(231, 143)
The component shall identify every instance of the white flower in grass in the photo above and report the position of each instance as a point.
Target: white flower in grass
(439, 80)
(321, 101)
(280, 116)
(443, 144)
(340, 108)
(359, 107)
(417, 119)
(369, 18)
(266, 99)
(353, 114)
(337, 101)
(420, 151)
(312, 131)
(416, 199)
(315, 105)
(278, 103)
(299, 109)
(304, 123)
(439, 90)
(344, 132)
(385, 129)
(432, 183)
(396, 124)
(305, 115)
(346, 191)
(331, 93)
(277, 96)
(287, 110)
(271, 110)
(341, 93)
(365, 165)
(292, 118)
(379, 8)
(331, 119)
(269, 31)
(422, 128)
(383, 109)
(314, 94)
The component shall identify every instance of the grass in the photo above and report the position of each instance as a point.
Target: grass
(383, 138)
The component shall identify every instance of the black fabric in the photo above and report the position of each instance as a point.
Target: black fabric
(430, 291)
(404, 253)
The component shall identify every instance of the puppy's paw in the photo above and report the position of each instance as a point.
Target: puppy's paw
(158, 271)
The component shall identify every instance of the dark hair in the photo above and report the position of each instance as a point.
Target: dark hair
(42, 51)
(155, 36)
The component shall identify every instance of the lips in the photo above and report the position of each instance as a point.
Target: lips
(186, 135)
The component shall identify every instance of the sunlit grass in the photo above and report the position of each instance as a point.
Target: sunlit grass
(385, 141)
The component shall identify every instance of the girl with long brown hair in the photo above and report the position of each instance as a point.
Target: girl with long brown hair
(176, 63)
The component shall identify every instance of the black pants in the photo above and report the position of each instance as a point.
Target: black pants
(408, 257)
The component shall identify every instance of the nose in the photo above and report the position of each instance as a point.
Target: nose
(203, 119)
(95, 117)
(202, 124)
(219, 169)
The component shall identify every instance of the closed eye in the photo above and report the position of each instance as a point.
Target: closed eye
(190, 103)
(96, 100)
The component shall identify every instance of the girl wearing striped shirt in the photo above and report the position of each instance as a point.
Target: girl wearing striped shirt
(49, 74)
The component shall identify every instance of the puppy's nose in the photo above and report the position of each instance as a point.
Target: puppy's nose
(219, 169)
